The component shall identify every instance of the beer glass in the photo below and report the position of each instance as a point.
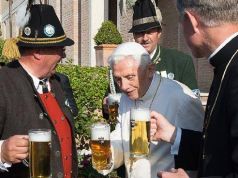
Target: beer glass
(113, 104)
(39, 153)
(100, 146)
(139, 132)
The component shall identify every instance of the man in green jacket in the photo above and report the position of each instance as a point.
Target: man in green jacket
(147, 30)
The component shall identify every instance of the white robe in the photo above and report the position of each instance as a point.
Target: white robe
(177, 103)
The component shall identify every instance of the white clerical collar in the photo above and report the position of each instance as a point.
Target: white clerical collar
(222, 45)
(152, 88)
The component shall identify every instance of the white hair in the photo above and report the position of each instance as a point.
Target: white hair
(130, 50)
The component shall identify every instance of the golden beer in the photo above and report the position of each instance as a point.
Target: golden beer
(100, 146)
(113, 104)
(140, 133)
(101, 154)
(113, 112)
(40, 147)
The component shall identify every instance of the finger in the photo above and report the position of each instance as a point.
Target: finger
(152, 132)
(154, 114)
(153, 123)
(16, 161)
(22, 142)
(21, 156)
(160, 174)
(20, 137)
(21, 150)
(173, 170)
(155, 137)
(14, 156)
(164, 174)
(26, 137)
(18, 140)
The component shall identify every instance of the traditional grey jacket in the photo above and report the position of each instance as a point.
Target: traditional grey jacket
(22, 110)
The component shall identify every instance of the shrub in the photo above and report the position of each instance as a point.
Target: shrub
(89, 85)
(108, 34)
(1, 46)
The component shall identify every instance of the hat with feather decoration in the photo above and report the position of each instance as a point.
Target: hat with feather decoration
(42, 28)
(146, 16)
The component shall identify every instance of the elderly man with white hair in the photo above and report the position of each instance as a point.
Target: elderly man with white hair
(143, 87)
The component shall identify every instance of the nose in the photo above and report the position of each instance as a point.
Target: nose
(145, 37)
(124, 84)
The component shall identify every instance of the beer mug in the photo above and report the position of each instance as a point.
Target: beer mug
(39, 153)
(113, 104)
(139, 132)
(100, 146)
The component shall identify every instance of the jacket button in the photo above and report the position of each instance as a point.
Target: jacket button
(41, 116)
(60, 175)
(57, 153)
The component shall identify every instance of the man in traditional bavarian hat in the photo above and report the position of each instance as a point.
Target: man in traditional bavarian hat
(32, 98)
(147, 30)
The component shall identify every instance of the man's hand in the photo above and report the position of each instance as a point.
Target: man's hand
(15, 149)
(175, 173)
(105, 105)
(161, 129)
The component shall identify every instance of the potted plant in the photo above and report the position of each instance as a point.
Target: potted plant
(106, 39)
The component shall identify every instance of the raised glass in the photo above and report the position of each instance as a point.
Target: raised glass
(139, 132)
(39, 153)
(113, 104)
(100, 146)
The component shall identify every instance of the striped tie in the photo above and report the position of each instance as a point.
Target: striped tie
(44, 86)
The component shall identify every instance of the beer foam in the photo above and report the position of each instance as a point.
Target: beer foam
(114, 98)
(40, 137)
(140, 114)
(100, 131)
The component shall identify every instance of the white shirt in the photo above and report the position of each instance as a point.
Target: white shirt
(36, 82)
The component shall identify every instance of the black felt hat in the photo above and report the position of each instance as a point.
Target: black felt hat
(146, 16)
(43, 29)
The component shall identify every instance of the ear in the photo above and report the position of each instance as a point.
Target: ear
(36, 54)
(192, 21)
(159, 33)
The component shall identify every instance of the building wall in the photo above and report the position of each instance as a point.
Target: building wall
(84, 33)
(65, 11)
(4, 14)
